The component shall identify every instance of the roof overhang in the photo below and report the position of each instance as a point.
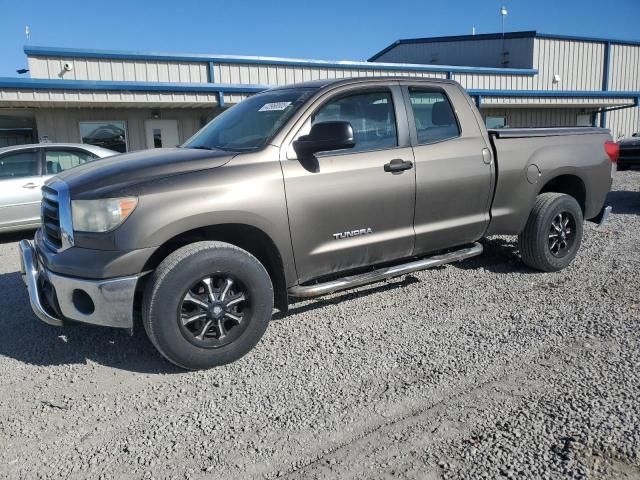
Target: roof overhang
(27, 92)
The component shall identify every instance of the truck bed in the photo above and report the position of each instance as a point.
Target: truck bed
(527, 159)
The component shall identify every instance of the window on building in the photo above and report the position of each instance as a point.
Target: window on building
(111, 135)
(57, 161)
(19, 164)
(371, 115)
(434, 117)
(496, 122)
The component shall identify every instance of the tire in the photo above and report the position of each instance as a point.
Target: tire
(193, 318)
(536, 241)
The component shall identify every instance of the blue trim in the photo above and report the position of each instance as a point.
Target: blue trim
(449, 75)
(555, 93)
(605, 79)
(52, 84)
(212, 75)
(291, 62)
(221, 99)
(479, 101)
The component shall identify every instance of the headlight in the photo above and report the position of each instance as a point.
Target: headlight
(101, 215)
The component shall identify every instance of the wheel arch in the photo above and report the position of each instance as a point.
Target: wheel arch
(248, 237)
(568, 184)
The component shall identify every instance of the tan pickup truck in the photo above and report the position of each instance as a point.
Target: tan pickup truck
(301, 191)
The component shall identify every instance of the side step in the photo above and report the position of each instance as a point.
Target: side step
(384, 273)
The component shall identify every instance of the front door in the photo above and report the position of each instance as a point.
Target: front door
(454, 169)
(162, 133)
(20, 184)
(347, 211)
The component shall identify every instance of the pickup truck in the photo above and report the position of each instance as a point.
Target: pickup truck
(301, 191)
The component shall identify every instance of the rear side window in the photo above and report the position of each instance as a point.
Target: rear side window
(434, 116)
(57, 161)
(19, 164)
(371, 115)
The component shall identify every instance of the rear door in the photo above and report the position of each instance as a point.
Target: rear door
(454, 168)
(20, 184)
(349, 212)
(59, 159)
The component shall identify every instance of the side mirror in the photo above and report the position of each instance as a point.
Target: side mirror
(325, 137)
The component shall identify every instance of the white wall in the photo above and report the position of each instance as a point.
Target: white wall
(62, 125)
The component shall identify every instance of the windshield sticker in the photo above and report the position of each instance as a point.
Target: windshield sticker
(270, 107)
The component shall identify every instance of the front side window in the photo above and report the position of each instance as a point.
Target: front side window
(370, 114)
(434, 117)
(251, 124)
(110, 135)
(57, 161)
(19, 164)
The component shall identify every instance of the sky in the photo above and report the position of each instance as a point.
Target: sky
(319, 29)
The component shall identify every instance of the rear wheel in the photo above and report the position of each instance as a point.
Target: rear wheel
(553, 233)
(207, 304)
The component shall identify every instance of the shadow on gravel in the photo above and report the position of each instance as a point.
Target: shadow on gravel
(12, 237)
(302, 306)
(28, 340)
(499, 256)
(624, 202)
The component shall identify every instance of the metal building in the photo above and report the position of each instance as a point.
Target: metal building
(133, 100)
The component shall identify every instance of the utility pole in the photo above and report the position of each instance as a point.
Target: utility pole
(503, 16)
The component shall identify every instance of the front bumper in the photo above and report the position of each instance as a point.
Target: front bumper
(55, 298)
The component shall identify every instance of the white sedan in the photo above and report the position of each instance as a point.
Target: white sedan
(23, 171)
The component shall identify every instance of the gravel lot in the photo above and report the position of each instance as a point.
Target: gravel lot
(473, 370)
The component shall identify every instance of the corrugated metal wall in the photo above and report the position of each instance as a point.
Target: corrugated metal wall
(624, 123)
(25, 97)
(62, 125)
(579, 64)
(119, 70)
(234, 73)
(624, 72)
(470, 53)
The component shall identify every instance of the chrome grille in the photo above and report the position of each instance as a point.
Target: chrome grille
(50, 216)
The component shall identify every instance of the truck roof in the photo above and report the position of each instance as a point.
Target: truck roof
(317, 84)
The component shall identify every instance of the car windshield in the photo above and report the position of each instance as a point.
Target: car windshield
(251, 124)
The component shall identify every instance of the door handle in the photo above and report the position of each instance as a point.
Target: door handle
(30, 185)
(398, 165)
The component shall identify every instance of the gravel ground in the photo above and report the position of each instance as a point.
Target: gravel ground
(476, 370)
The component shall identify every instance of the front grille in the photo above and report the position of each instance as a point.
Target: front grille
(51, 217)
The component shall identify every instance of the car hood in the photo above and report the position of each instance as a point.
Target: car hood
(630, 142)
(105, 176)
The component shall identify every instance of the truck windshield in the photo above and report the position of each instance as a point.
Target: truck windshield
(251, 124)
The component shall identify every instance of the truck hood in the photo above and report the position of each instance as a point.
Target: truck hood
(102, 177)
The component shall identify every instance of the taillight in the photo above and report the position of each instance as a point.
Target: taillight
(613, 150)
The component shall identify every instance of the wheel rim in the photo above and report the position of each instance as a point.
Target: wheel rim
(562, 234)
(214, 311)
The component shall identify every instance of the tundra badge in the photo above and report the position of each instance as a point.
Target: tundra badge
(352, 233)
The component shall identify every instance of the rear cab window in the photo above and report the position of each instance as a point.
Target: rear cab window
(434, 117)
(59, 160)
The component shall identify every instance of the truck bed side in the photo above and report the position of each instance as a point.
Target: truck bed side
(531, 161)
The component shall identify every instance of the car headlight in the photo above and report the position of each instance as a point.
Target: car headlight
(101, 215)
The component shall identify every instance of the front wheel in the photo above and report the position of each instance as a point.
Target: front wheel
(553, 233)
(207, 304)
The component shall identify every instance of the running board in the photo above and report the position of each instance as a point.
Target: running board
(384, 273)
